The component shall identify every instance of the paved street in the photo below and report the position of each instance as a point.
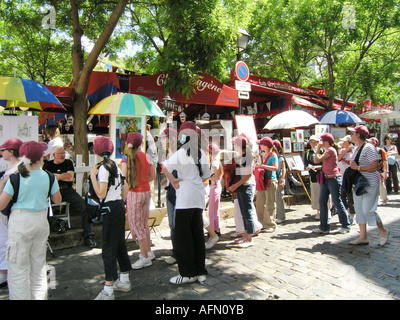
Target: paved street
(290, 264)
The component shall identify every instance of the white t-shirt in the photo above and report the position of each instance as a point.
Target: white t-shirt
(114, 193)
(191, 193)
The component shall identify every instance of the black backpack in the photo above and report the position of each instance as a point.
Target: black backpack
(14, 180)
(94, 206)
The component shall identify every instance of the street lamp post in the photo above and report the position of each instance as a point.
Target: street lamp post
(242, 41)
(169, 105)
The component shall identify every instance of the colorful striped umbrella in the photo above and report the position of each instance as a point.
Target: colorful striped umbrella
(338, 117)
(18, 92)
(127, 104)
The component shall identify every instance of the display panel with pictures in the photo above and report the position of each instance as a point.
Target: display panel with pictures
(294, 162)
(121, 126)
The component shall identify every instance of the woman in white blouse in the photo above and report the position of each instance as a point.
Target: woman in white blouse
(192, 167)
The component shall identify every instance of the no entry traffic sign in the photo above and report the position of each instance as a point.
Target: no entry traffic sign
(242, 71)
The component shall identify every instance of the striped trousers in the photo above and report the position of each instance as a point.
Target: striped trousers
(138, 210)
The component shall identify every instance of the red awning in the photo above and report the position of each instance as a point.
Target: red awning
(209, 91)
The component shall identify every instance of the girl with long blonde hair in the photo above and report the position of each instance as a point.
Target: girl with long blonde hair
(139, 172)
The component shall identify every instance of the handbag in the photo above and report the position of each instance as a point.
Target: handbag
(320, 177)
(263, 179)
(230, 176)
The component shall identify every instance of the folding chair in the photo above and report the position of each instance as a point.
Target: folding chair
(155, 218)
(61, 211)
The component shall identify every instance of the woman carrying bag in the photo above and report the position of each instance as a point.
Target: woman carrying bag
(331, 186)
(266, 199)
(366, 204)
(28, 228)
(113, 234)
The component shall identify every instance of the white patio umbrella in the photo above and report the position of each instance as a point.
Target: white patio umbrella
(381, 114)
(291, 119)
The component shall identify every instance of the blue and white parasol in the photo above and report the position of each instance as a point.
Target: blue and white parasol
(338, 117)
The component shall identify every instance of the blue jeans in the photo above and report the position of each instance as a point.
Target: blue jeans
(245, 199)
(332, 186)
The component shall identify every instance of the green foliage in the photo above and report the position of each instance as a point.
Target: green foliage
(320, 43)
(30, 50)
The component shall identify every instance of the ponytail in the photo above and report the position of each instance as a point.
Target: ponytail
(131, 160)
(23, 170)
(110, 166)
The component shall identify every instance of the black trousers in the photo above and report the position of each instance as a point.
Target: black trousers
(114, 245)
(190, 247)
(392, 179)
(77, 203)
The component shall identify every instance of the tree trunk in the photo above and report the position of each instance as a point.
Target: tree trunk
(82, 70)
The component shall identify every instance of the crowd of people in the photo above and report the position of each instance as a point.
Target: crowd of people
(347, 179)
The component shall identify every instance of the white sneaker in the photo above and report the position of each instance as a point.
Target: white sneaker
(125, 287)
(180, 280)
(141, 263)
(104, 296)
(202, 278)
(344, 230)
(212, 241)
(150, 254)
(319, 231)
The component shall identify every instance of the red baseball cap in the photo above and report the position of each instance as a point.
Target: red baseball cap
(213, 148)
(168, 132)
(241, 141)
(361, 129)
(33, 150)
(277, 144)
(266, 141)
(134, 140)
(189, 128)
(374, 140)
(327, 137)
(102, 144)
(11, 144)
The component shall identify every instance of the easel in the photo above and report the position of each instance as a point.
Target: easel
(294, 164)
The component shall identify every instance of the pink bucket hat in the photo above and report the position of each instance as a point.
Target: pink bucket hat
(11, 144)
(134, 140)
(32, 150)
(102, 144)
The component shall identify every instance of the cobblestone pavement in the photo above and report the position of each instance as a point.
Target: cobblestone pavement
(290, 264)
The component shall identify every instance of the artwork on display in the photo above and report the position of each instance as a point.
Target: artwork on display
(293, 136)
(22, 127)
(287, 145)
(294, 162)
(121, 126)
(321, 129)
(295, 147)
(300, 135)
